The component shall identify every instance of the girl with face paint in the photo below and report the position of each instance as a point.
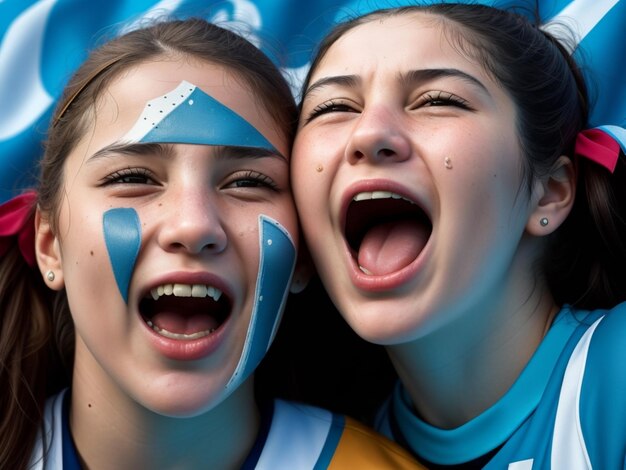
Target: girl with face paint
(460, 213)
(165, 240)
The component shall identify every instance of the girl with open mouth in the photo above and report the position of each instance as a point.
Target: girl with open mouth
(165, 237)
(461, 213)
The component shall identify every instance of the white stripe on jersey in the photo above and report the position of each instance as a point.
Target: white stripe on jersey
(568, 443)
(296, 438)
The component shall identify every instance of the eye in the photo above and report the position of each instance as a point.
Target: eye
(250, 179)
(129, 176)
(441, 98)
(330, 106)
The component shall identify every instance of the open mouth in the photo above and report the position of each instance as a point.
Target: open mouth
(185, 311)
(385, 231)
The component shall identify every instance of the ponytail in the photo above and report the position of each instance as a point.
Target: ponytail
(30, 366)
(587, 263)
(24, 336)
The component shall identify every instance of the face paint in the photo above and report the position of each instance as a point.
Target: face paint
(184, 115)
(189, 115)
(122, 235)
(277, 260)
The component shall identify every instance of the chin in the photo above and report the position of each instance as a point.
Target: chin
(374, 325)
(183, 401)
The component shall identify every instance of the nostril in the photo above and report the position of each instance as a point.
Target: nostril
(387, 152)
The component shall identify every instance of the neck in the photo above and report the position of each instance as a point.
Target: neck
(458, 371)
(130, 436)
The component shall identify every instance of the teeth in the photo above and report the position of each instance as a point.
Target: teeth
(199, 290)
(183, 336)
(182, 290)
(186, 290)
(366, 271)
(367, 195)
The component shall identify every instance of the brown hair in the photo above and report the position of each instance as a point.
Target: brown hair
(585, 260)
(36, 334)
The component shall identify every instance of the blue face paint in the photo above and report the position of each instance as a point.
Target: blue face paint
(189, 115)
(277, 261)
(184, 115)
(122, 235)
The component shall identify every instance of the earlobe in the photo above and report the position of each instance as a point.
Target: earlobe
(556, 194)
(48, 252)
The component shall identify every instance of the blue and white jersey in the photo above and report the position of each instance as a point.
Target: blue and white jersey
(292, 436)
(567, 409)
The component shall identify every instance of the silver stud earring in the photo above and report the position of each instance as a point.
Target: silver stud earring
(448, 163)
(50, 276)
(543, 221)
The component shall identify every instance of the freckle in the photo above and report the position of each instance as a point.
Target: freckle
(319, 168)
(89, 405)
(160, 204)
(91, 252)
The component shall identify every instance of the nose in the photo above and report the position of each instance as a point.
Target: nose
(191, 223)
(378, 137)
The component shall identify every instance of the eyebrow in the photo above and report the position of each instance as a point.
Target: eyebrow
(426, 75)
(410, 77)
(163, 150)
(348, 81)
(139, 149)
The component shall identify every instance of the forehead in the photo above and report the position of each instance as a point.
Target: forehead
(407, 41)
(126, 98)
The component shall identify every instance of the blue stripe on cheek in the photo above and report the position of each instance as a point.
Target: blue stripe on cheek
(122, 235)
(276, 265)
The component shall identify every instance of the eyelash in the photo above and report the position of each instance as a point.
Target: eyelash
(431, 99)
(257, 179)
(442, 98)
(131, 175)
(329, 107)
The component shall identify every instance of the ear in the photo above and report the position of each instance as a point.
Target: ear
(303, 271)
(48, 252)
(555, 194)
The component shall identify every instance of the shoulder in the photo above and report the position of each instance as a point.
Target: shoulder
(598, 387)
(362, 446)
(309, 437)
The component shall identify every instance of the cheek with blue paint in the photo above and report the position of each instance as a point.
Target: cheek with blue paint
(276, 264)
(122, 236)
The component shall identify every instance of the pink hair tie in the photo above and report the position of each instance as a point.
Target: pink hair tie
(17, 223)
(599, 146)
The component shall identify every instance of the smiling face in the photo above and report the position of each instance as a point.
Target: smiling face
(192, 212)
(407, 175)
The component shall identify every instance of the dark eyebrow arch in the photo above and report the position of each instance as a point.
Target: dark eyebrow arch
(426, 75)
(120, 148)
(163, 150)
(349, 81)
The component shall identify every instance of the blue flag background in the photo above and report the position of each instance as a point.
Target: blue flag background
(42, 42)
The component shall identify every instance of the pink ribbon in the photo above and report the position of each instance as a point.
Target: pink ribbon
(599, 146)
(17, 222)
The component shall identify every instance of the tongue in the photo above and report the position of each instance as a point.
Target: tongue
(391, 246)
(184, 324)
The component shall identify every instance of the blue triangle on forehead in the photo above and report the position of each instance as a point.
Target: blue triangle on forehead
(189, 115)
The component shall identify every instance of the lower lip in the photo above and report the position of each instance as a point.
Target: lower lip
(187, 350)
(386, 282)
